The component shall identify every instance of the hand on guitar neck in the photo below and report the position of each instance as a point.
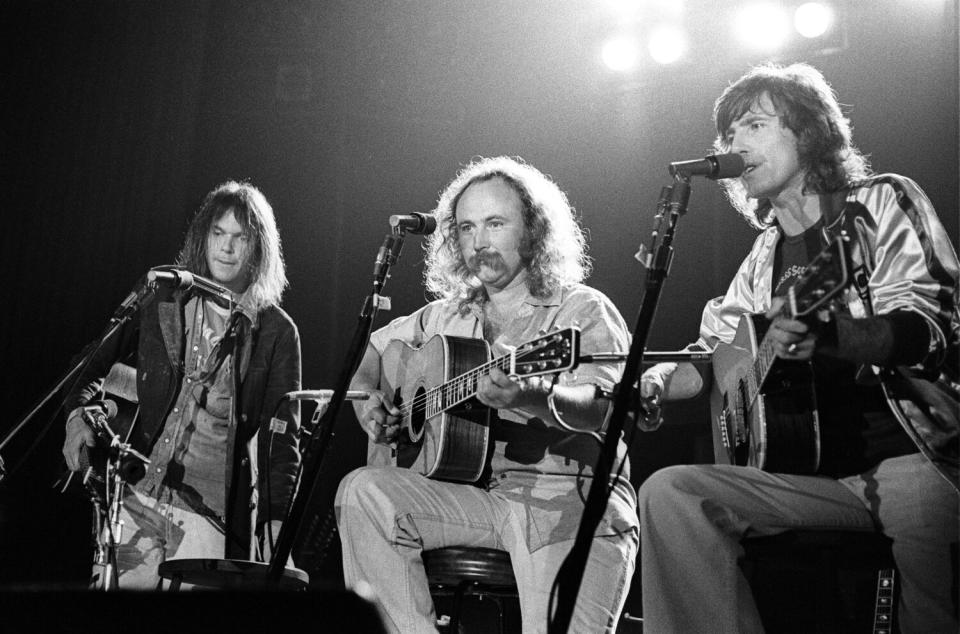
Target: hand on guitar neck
(791, 338)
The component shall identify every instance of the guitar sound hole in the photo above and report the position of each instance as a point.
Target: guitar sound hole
(418, 414)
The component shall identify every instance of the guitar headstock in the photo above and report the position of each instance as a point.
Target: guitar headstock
(556, 351)
(823, 279)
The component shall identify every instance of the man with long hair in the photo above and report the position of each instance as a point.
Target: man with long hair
(884, 366)
(506, 265)
(211, 376)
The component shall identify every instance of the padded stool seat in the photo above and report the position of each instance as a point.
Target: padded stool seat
(229, 574)
(461, 571)
(818, 580)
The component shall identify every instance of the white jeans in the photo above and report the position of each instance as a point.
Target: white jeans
(387, 516)
(693, 517)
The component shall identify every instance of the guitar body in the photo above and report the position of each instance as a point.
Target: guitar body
(450, 445)
(777, 431)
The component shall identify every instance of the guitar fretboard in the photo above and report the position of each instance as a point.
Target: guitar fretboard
(455, 391)
(883, 614)
(536, 357)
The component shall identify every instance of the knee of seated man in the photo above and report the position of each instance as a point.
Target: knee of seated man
(662, 486)
(359, 487)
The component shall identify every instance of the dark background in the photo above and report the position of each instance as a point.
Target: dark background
(120, 116)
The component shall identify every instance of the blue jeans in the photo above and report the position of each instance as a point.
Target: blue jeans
(693, 517)
(387, 516)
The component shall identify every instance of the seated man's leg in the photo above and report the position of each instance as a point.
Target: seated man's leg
(154, 531)
(543, 520)
(603, 589)
(691, 521)
(917, 508)
(387, 516)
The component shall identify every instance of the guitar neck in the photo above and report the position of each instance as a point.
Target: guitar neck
(552, 353)
(883, 613)
(457, 390)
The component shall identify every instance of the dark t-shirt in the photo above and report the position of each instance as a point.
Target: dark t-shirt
(857, 428)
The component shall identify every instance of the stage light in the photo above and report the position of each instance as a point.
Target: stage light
(813, 19)
(620, 53)
(667, 44)
(763, 26)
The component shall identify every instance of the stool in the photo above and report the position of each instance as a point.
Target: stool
(228, 574)
(844, 569)
(461, 571)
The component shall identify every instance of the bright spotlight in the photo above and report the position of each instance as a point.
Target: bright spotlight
(620, 54)
(813, 19)
(667, 44)
(762, 26)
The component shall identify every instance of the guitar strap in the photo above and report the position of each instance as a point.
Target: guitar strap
(835, 223)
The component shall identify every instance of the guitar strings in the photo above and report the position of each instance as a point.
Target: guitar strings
(467, 381)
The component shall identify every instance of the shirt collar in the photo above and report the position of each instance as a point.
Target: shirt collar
(244, 305)
(554, 299)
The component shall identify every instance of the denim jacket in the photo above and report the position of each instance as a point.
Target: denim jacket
(267, 365)
(901, 259)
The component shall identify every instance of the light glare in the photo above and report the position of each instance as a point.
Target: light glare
(620, 54)
(667, 44)
(813, 19)
(762, 26)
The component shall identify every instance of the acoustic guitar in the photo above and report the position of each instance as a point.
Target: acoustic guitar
(764, 407)
(444, 429)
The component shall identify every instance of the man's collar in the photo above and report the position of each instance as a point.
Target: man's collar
(554, 299)
(244, 305)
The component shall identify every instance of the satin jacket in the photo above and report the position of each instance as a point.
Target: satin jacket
(901, 259)
(266, 357)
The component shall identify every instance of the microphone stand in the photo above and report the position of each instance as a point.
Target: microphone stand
(673, 200)
(127, 308)
(316, 448)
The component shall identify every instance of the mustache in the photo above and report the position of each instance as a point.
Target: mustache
(492, 260)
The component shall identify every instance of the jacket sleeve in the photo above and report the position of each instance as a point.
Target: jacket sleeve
(914, 265)
(721, 315)
(281, 448)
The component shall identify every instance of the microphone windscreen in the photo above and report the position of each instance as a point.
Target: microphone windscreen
(429, 224)
(110, 408)
(728, 166)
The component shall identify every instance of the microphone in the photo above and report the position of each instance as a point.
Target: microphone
(131, 463)
(714, 166)
(324, 395)
(182, 279)
(99, 413)
(416, 223)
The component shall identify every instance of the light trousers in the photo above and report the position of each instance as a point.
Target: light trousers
(153, 532)
(387, 516)
(692, 519)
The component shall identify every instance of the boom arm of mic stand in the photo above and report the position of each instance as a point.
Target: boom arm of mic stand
(571, 571)
(123, 313)
(316, 448)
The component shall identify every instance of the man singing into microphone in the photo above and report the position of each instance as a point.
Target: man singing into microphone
(506, 264)
(885, 371)
(210, 376)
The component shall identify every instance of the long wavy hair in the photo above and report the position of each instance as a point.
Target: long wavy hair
(267, 272)
(554, 246)
(808, 107)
